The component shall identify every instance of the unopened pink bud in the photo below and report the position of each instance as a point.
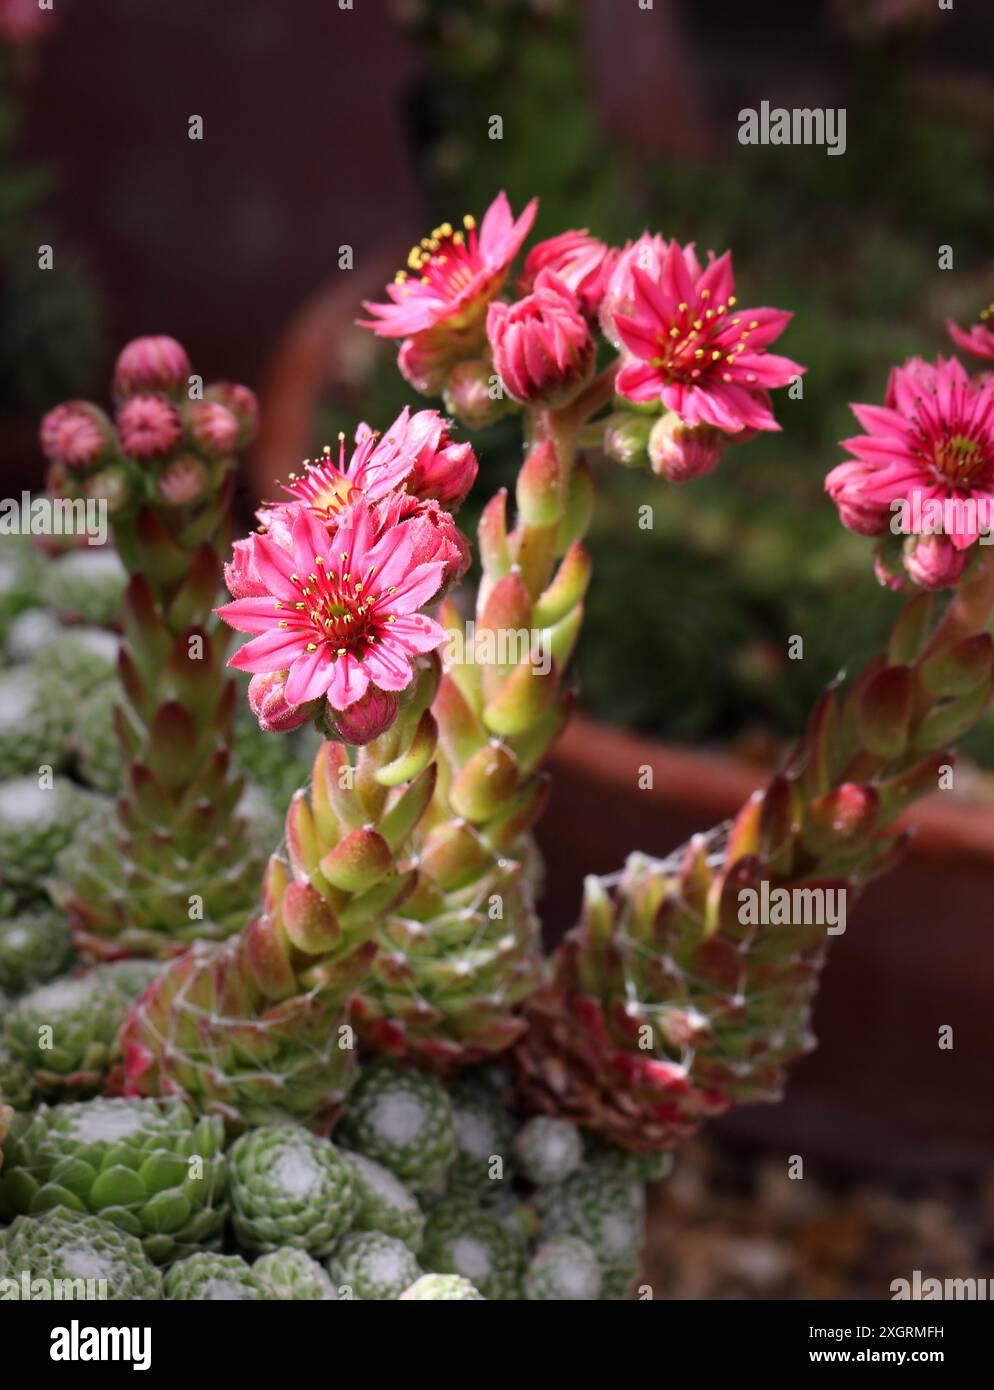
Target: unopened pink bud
(367, 718)
(679, 453)
(542, 347)
(76, 434)
(423, 362)
(267, 699)
(933, 562)
(213, 427)
(848, 486)
(182, 481)
(151, 364)
(111, 485)
(626, 438)
(469, 393)
(148, 427)
(243, 405)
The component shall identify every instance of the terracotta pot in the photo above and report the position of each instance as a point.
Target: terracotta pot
(917, 954)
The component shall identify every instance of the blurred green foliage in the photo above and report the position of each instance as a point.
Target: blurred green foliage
(688, 623)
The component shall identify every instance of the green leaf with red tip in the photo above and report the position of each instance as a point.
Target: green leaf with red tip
(460, 729)
(359, 861)
(162, 560)
(897, 793)
(398, 822)
(951, 719)
(197, 595)
(503, 831)
(568, 587)
(384, 897)
(539, 492)
(453, 855)
(415, 758)
(883, 711)
(524, 698)
(492, 536)
(308, 920)
(579, 506)
(303, 845)
(960, 669)
(910, 632)
(531, 746)
(172, 751)
(485, 783)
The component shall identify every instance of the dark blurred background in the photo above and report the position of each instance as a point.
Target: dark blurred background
(325, 126)
(366, 126)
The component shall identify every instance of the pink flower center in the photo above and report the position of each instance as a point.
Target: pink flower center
(961, 459)
(325, 489)
(698, 341)
(343, 611)
(448, 260)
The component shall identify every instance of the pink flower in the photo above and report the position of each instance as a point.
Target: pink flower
(242, 404)
(933, 562)
(415, 452)
(340, 612)
(543, 350)
(978, 339)
(438, 306)
(151, 364)
(583, 263)
(213, 427)
(648, 253)
(148, 426)
(693, 353)
(75, 433)
(680, 453)
(932, 440)
(267, 700)
(182, 481)
(453, 274)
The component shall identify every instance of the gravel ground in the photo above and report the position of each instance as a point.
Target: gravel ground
(731, 1224)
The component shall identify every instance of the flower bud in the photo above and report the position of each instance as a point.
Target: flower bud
(182, 481)
(241, 574)
(111, 485)
(581, 261)
(847, 487)
(467, 393)
(443, 471)
(148, 427)
(267, 700)
(369, 717)
(212, 427)
(679, 453)
(151, 364)
(76, 434)
(423, 362)
(543, 349)
(243, 405)
(626, 438)
(933, 562)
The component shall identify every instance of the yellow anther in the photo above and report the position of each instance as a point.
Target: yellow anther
(469, 222)
(311, 647)
(732, 300)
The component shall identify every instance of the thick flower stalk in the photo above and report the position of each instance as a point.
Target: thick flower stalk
(173, 861)
(679, 995)
(257, 1028)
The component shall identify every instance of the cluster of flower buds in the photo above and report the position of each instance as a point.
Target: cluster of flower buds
(170, 442)
(921, 478)
(165, 465)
